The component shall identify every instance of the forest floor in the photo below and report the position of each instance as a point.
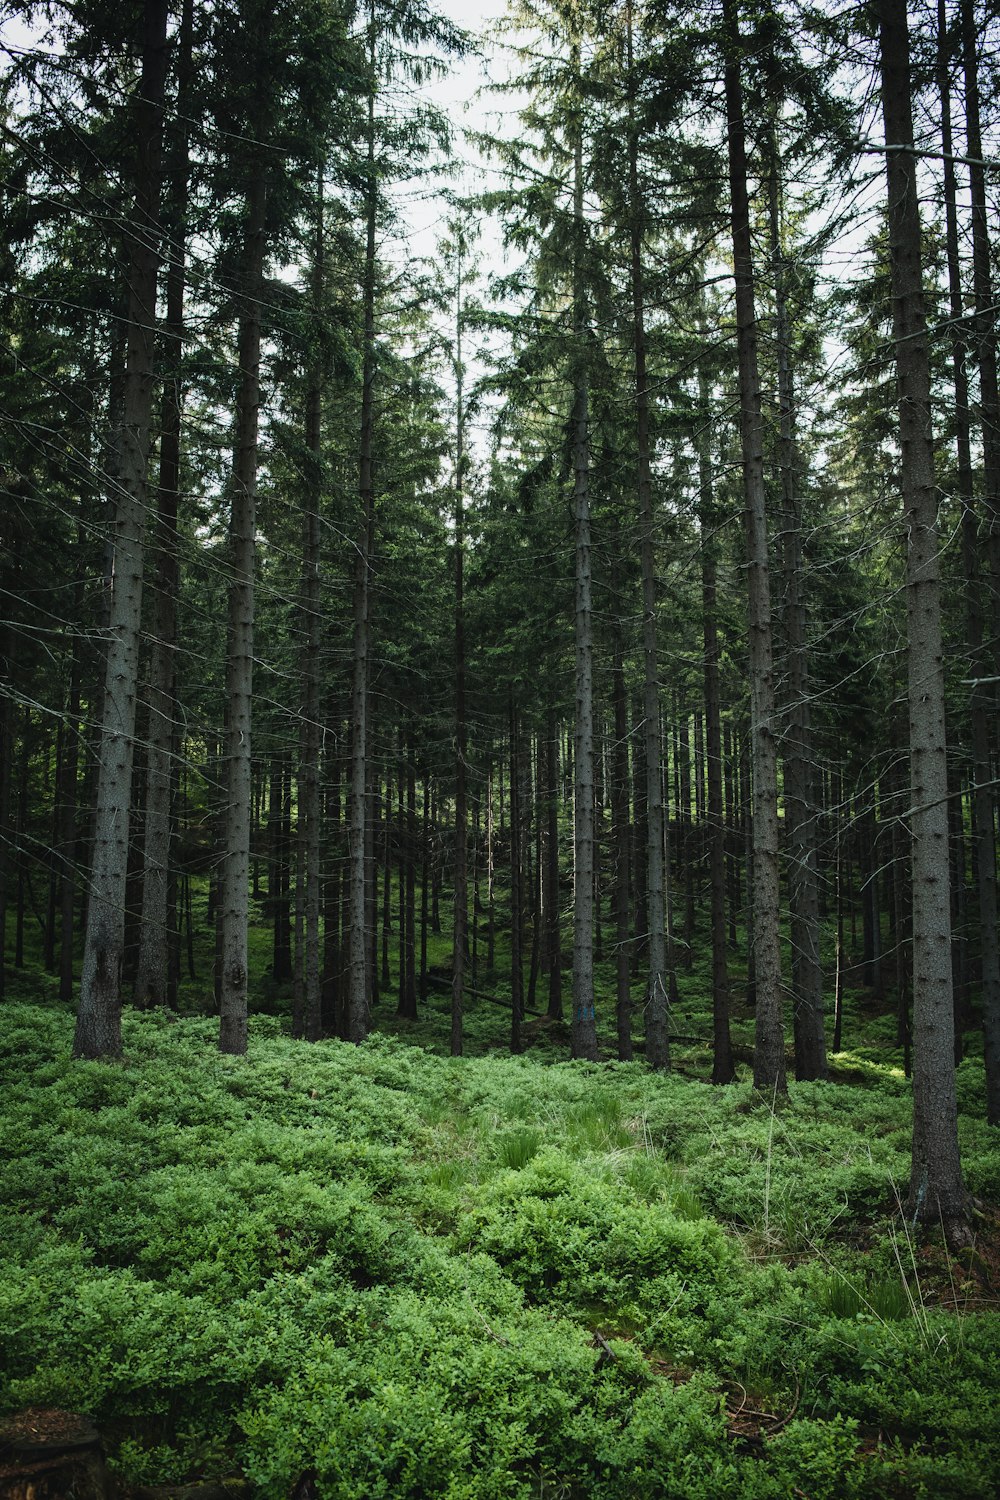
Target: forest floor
(381, 1271)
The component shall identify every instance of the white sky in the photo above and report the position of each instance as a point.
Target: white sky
(461, 95)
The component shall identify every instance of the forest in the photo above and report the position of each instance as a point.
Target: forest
(499, 750)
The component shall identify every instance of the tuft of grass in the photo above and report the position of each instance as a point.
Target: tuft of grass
(516, 1148)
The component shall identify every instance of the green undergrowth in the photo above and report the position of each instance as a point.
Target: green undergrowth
(419, 1276)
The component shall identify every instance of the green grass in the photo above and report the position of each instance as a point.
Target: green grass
(420, 1276)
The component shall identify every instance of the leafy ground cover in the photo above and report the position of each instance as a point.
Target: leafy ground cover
(418, 1276)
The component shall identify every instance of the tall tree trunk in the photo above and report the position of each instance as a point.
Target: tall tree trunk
(983, 705)
(985, 326)
(356, 1009)
(490, 874)
(98, 1025)
(800, 810)
(425, 865)
(459, 938)
(386, 977)
(516, 962)
(310, 812)
(235, 885)
(723, 1069)
(408, 952)
(936, 1187)
(733, 896)
(152, 982)
(584, 1028)
(69, 804)
(769, 1041)
(6, 777)
(622, 833)
(551, 898)
(331, 889)
(656, 1005)
(371, 886)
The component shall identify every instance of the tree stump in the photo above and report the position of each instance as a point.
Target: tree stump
(48, 1454)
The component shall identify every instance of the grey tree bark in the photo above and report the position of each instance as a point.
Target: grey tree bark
(769, 1041)
(657, 1006)
(356, 1007)
(311, 811)
(984, 701)
(152, 984)
(622, 838)
(723, 1068)
(98, 1024)
(937, 1190)
(583, 1026)
(800, 808)
(236, 769)
(550, 742)
(460, 940)
(516, 881)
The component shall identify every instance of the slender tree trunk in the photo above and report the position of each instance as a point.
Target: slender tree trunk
(516, 963)
(550, 739)
(387, 834)
(983, 701)
(331, 888)
(407, 958)
(723, 1068)
(235, 892)
(49, 943)
(310, 811)
(936, 1187)
(732, 834)
(68, 803)
(356, 1008)
(584, 1029)
(800, 811)
(425, 867)
(533, 872)
(490, 874)
(838, 981)
(6, 776)
(476, 906)
(769, 1042)
(459, 938)
(371, 886)
(656, 1004)
(20, 839)
(98, 1027)
(622, 834)
(152, 982)
(986, 347)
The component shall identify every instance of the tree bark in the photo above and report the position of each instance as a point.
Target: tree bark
(584, 1028)
(551, 898)
(723, 1068)
(936, 1187)
(769, 1041)
(310, 813)
(516, 960)
(622, 837)
(356, 1009)
(235, 883)
(984, 702)
(800, 810)
(98, 1025)
(461, 917)
(656, 1004)
(152, 984)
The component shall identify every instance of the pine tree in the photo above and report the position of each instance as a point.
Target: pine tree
(937, 1191)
